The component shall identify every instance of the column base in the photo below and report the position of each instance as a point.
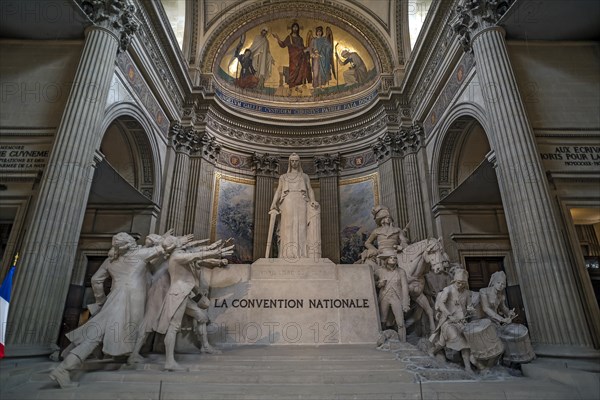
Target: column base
(565, 351)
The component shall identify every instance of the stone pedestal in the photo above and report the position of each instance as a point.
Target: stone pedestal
(281, 302)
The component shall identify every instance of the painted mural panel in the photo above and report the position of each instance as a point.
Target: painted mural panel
(358, 196)
(233, 215)
(302, 57)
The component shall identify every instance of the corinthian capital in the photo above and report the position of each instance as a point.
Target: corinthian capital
(265, 164)
(114, 15)
(327, 165)
(410, 139)
(184, 139)
(473, 16)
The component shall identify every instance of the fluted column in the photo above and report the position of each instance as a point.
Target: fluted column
(410, 141)
(183, 141)
(203, 187)
(43, 276)
(392, 192)
(549, 281)
(266, 169)
(328, 170)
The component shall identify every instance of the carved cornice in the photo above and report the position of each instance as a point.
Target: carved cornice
(280, 136)
(473, 16)
(328, 164)
(265, 164)
(347, 17)
(114, 15)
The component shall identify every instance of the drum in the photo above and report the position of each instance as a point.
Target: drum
(516, 341)
(483, 340)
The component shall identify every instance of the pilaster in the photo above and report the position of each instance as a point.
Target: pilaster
(327, 168)
(266, 169)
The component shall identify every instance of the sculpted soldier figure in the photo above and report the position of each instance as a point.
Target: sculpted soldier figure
(393, 291)
(386, 235)
(184, 273)
(122, 309)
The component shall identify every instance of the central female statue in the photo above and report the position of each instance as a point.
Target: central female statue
(300, 227)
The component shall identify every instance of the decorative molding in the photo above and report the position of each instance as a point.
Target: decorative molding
(235, 160)
(328, 164)
(474, 16)
(360, 160)
(291, 137)
(153, 48)
(265, 164)
(295, 110)
(456, 80)
(143, 92)
(189, 141)
(116, 16)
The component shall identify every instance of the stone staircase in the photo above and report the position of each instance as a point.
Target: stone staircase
(283, 372)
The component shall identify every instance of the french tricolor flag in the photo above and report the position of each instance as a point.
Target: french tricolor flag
(4, 302)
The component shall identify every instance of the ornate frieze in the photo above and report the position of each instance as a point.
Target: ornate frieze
(473, 16)
(153, 48)
(335, 134)
(114, 15)
(328, 164)
(265, 164)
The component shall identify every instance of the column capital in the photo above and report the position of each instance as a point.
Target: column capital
(328, 164)
(116, 16)
(474, 16)
(398, 143)
(209, 148)
(410, 139)
(265, 164)
(184, 139)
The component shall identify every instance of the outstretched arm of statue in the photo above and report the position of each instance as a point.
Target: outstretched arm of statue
(190, 257)
(211, 263)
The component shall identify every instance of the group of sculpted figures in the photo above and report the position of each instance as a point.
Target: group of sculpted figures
(122, 320)
(476, 325)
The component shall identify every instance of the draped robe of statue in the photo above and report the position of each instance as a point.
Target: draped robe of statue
(299, 228)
